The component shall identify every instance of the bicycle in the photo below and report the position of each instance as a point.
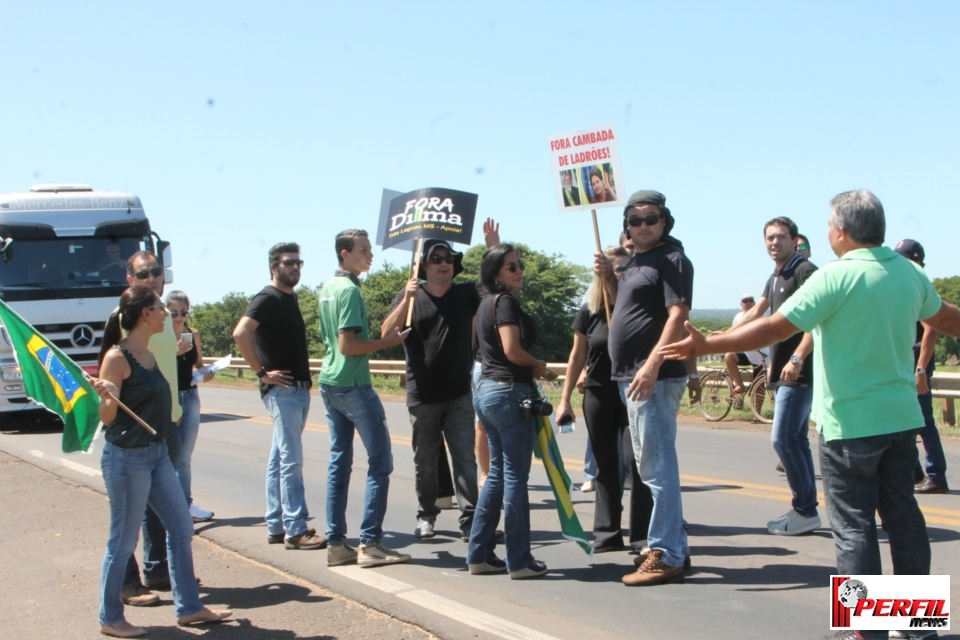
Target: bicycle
(717, 396)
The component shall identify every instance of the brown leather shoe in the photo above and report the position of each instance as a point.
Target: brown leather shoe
(138, 596)
(931, 486)
(653, 571)
(306, 540)
(645, 551)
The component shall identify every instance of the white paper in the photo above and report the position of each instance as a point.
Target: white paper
(219, 365)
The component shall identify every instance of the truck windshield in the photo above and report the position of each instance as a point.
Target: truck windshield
(66, 263)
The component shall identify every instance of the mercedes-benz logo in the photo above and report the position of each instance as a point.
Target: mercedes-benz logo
(82, 336)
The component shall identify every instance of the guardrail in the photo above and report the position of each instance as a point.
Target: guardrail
(945, 386)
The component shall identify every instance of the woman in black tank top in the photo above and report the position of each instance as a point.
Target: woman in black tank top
(136, 466)
(189, 357)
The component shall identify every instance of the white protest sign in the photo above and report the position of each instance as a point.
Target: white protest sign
(586, 169)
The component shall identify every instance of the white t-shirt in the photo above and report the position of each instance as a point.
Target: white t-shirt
(752, 356)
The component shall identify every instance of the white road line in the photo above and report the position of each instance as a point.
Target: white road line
(69, 464)
(445, 607)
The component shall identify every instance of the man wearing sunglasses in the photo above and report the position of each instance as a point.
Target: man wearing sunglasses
(791, 375)
(272, 338)
(803, 246)
(651, 302)
(143, 269)
(439, 354)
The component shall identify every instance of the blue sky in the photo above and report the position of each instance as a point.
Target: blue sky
(243, 124)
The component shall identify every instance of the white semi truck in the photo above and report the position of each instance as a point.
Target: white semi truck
(63, 250)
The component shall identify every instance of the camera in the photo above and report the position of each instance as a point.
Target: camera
(530, 407)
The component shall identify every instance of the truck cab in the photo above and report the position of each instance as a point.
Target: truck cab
(63, 254)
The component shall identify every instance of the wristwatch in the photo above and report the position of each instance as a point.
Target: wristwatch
(921, 370)
(795, 359)
(262, 372)
(693, 376)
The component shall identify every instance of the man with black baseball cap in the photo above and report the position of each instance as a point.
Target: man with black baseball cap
(439, 354)
(924, 365)
(651, 302)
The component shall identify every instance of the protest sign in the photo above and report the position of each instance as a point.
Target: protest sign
(441, 214)
(586, 169)
(385, 199)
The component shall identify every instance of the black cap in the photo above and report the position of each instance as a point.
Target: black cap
(428, 248)
(649, 196)
(911, 250)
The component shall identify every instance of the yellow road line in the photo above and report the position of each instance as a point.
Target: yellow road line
(935, 515)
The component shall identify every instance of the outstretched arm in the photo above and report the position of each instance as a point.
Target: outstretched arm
(746, 337)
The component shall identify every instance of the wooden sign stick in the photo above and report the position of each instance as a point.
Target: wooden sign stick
(126, 408)
(596, 234)
(415, 271)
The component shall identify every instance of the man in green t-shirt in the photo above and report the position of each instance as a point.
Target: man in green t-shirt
(353, 405)
(862, 310)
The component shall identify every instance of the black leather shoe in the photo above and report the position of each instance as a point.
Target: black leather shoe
(931, 486)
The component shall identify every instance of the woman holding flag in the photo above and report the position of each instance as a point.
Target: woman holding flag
(505, 334)
(135, 464)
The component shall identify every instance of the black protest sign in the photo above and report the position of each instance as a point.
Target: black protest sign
(441, 214)
(384, 223)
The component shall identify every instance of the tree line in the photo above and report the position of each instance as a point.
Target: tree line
(553, 290)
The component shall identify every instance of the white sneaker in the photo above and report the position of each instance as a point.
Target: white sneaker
(374, 555)
(445, 502)
(200, 515)
(793, 524)
(587, 487)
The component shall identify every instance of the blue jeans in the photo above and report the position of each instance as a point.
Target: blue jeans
(511, 452)
(135, 478)
(791, 441)
(653, 432)
(189, 429)
(357, 409)
(866, 476)
(154, 535)
(936, 462)
(589, 463)
(432, 424)
(286, 501)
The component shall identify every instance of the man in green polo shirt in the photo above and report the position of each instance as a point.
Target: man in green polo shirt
(862, 310)
(353, 406)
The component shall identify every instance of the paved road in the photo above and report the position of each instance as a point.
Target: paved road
(745, 582)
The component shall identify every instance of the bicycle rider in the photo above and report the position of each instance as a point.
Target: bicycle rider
(791, 375)
(749, 358)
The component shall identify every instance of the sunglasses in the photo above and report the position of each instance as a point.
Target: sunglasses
(748, 300)
(437, 259)
(513, 266)
(802, 246)
(620, 269)
(155, 272)
(650, 220)
(290, 262)
(180, 314)
(159, 305)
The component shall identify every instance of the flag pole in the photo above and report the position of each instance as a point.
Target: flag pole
(415, 270)
(125, 408)
(596, 234)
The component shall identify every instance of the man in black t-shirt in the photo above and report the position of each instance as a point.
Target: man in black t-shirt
(272, 339)
(439, 354)
(652, 301)
(791, 374)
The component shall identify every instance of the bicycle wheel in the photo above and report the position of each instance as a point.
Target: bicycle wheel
(716, 395)
(761, 400)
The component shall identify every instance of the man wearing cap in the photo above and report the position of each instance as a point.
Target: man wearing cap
(651, 303)
(439, 354)
(861, 309)
(743, 358)
(791, 375)
(924, 365)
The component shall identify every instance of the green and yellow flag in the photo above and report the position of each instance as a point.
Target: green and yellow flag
(54, 381)
(546, 449)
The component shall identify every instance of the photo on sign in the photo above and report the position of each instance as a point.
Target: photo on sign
(599, 183)
(571, 188)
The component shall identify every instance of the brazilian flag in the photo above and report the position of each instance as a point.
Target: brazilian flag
(546, 449)
(54, 381)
